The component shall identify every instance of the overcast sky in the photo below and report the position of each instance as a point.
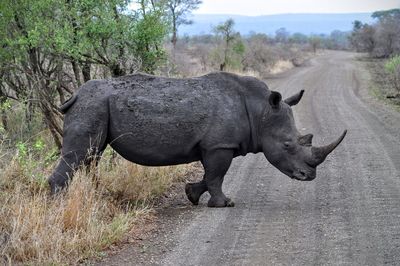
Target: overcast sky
(267, 7)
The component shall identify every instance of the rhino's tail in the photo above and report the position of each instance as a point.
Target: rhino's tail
(65, 106)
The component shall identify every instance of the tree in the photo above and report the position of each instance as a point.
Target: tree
(298, 38)
(357, 25)
(260, 54)
(179, 9)
(50, 46)
(231, 42)
(355, 35)
(362, 38)
(149, 33)
(110, 36)
(315, 42)
(338, 40)
(387, 36)
(391, 13)
(381, 39)
(281, 35)
(31, 70)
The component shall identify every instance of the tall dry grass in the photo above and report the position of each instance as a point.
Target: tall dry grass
(98, 210)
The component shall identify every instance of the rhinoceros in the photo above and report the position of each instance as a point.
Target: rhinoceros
(158, 121)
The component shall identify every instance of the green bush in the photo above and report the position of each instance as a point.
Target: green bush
(392, 66)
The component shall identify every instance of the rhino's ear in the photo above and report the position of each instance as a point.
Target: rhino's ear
(295, 99)
(275, 99)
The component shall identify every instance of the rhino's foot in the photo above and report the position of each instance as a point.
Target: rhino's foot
(194, 191)
(55, 186)
(220, 202)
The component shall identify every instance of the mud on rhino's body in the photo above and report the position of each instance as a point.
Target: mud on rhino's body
(159, 121)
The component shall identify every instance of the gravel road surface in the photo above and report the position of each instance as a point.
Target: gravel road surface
(349, 215)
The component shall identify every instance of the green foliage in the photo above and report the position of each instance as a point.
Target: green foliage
(226, 27)
(315, 42)
(357, 25)
(147, 37)
(5, 105)
(107, 33)
(39, 145)
(239, 47)
(102, 32)
(386, 13)
(24, 25)
(298, 38)
(393, 64)
(22, 150)
(33, 156)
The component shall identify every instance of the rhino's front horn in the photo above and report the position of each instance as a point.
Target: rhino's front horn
(319, 153)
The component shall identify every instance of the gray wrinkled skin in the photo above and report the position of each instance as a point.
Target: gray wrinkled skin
(158, 121)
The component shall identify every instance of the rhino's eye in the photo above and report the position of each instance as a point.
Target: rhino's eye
(287, 144)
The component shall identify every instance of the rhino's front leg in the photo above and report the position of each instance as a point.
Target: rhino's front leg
(216, 163)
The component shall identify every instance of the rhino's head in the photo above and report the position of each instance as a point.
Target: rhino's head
(282, 144)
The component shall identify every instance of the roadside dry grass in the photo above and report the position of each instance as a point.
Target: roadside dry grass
(98, 210)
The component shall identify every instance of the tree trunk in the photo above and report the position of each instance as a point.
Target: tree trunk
(86, 72)
(59, 87)
(4, 119)
(61, 94)
(75, 68)
(116, 70)
(174, 38)
(29, 109)
(51, 122)
(174, 30)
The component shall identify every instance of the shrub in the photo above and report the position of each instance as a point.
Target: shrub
(392, 66)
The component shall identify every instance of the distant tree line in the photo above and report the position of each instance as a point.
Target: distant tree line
(224, 49)
(336, 40)
(381, 39)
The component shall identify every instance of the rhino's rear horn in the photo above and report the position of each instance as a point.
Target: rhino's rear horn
(295, 99)
(320, 153)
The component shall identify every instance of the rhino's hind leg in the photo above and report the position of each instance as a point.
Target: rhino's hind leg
(216, 163)
(195, 190)
(80, 147)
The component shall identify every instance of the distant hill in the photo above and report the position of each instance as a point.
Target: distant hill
(303, 23)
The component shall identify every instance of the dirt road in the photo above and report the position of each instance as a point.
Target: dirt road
(349, 215)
